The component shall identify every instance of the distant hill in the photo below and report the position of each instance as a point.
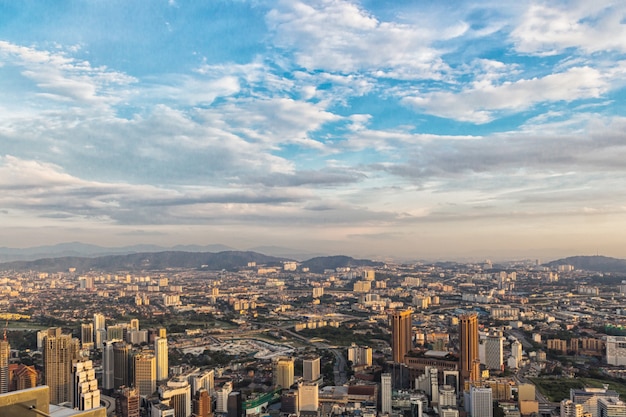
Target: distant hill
(592, 263)
(319, 264)
(77, 249)
(228, 260)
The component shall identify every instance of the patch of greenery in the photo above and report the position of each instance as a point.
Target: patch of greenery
(557, 389)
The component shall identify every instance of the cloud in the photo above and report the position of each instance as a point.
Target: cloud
(482, 102)
(339, 36)
(590, 27)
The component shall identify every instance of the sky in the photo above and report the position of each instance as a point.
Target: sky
(405, 129)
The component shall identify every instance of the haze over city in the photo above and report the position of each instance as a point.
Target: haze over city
(420, 130)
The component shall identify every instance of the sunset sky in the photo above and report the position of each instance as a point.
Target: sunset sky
(409, 129)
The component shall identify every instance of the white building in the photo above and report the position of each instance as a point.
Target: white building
(308, 396)
(611, 407)
(494, 352)
(85, 393)
(481, 404)
(177, 394)
(385, 393)
(616, 350)
(161, 353)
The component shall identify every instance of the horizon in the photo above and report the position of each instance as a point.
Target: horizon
(469, 130)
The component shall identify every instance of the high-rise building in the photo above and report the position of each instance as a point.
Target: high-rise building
(611, 407)
(385, 393)
(283, 372)
(121, 365)
(85, 393)
(5, 354)
(447, 396)
(616, 350)
(161, 353)
(177, 394)
(468, 340)
(127, 402)
(23, 377)
(308, 396)
(360, 355)
(222, 394)
(99, 329)
(145, 373)
(59, 351)
(108, 366)
(516, 353)
(234, 404)
(588, 398)
(311, 368)
(115, 332)
(134, 324)
(481, 404)
(203, 380)
(570, 409)
(201, 406)
(494, 352)
(86, 335)
(401, 334)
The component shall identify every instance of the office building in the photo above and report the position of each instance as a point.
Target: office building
(481, 404)
(494, 352)
(516, 354)
(134, 324)
(5, 354)
(86, 335)
(177, 394)
(401, 334)
(283, 372)
(469, 363)
(569, 409)
(385, 393)
(85, 393)
(121, 365)
(59, 350)
(308, 396)
(222, 394)
(311, 368)
(23, 377)
(447, 396)
(202, 380)
(161, 353)
(360, 356)
(108, 366)
(616, 350)
(235, 406)
(127, 402)
(115, 332)
(145, 373)
(35, 402)
(201, 404)
(588, 398)
(611, 407)
(99, 329)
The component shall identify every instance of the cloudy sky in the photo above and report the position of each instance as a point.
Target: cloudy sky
(416, 129)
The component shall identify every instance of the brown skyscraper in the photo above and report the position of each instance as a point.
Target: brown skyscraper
(401, 340)
(58, 353)
(468, 340)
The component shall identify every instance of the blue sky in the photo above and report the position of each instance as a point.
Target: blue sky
(407, 129)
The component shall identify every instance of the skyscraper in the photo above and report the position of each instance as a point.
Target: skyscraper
(127, 402)
(160, 351)
(99, 329)
(108, 366)
(481, 404)
(308, 396)
(5, 353)
(85, 393)
(385, 393)
(401, 337)
(59, 350)
(201, 404)
(311, 368)
(494, 353)
(468, 340)
(86, 335)
(283, 372)
(145, 373)
(121, 365)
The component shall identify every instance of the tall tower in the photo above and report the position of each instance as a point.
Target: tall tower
(468, 340)
(145, 373)
(86, 335)
(108, 366)
(160, 350)
(85, 393)
(5, 353)
(480, 402)
(59, 351)
(308, 396)
(127, 403)
(401, 336)
(311, 368)
(494, 356)
(201, 404)
(385, 393)
(283, 372)
(121, 364)
(99, 329)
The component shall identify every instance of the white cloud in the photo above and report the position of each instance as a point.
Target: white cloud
(550, 28)
(481, 102)
(339, 36)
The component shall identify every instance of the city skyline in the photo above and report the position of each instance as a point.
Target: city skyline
(421, 131)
